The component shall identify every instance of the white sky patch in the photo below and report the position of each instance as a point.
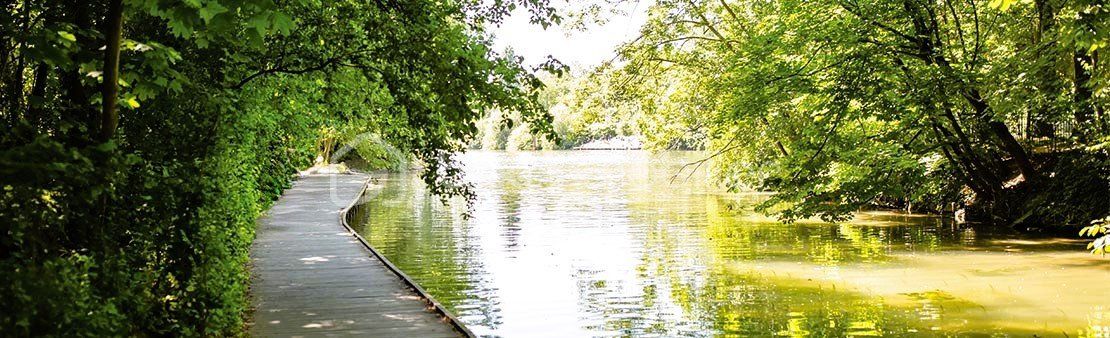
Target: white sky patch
(579, 49)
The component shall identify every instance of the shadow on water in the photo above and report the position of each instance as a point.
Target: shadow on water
(604, 244)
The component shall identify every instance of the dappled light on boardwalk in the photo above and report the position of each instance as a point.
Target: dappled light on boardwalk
(311, 277)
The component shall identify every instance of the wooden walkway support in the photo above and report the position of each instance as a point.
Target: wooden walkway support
(312, 277)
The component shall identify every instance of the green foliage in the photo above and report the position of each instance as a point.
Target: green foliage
(1098, 227)
(841, 105)
(58, 189)
(148, 234)
(376, 154)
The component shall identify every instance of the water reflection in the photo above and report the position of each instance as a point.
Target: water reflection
(604, 244)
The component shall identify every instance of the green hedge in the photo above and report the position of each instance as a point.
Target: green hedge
(156, 241)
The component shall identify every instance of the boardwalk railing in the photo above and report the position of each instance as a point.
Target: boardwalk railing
(345, 218)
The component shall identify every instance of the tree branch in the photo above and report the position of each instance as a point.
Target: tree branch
(283, 70)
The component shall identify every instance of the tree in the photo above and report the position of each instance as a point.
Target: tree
(838, 105)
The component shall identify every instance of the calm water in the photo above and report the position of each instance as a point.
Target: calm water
(583, 244)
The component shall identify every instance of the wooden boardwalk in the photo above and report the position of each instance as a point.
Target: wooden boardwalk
(311, 277)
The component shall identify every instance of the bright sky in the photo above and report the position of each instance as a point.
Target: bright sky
(577, 49)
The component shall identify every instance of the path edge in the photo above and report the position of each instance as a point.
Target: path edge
(450, 317)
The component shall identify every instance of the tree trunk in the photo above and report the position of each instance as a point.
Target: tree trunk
(7, 109)
(1084, 108)
(35, 115)
(75, 104)
(1048, 81)
(1002, 133)
(929, 45)
(14, 88)
(990, 178)
(113, 31)
(1046, 18)
(964, 170)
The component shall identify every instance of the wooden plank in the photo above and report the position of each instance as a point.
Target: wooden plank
(311, 277)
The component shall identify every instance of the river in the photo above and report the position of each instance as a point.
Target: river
(613, 243)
